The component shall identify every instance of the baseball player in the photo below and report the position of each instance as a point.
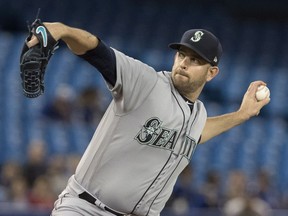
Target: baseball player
(151, 128)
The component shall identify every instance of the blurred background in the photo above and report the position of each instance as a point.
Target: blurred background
(242, 172)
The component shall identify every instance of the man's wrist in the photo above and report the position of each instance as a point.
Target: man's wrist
(242, 115)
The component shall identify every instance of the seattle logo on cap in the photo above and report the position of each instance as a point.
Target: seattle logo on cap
(197, 36)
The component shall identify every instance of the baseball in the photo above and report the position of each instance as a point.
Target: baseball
(262, 92)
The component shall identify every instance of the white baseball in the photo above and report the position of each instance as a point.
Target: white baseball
(262, 92)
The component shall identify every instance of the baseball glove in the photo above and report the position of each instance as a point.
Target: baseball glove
(33, 60)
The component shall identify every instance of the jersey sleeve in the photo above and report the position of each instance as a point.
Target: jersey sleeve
(103, 58)
(135, 80)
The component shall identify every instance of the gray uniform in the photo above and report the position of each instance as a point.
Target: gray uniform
(145, 139)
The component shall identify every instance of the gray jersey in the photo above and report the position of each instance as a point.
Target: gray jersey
(145, 139)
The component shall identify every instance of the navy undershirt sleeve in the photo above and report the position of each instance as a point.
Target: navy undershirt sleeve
(103, 58)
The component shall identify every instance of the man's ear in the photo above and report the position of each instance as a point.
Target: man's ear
(212, 72)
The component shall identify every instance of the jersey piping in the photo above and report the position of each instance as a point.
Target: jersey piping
(151, 184)
(164, 185)
(181, 156)
(164, 164)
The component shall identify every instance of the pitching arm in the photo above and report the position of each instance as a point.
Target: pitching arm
(249, 107)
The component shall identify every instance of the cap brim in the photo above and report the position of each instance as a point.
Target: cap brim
(177, 46)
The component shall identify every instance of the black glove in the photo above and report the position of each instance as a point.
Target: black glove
(33, 61)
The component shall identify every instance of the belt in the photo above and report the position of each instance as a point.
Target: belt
(86, 196)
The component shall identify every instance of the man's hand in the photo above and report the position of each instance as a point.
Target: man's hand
(78, 41)
(250, 106)
(34, 59)
(57, 31)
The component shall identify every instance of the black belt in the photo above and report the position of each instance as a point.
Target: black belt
(86, 196)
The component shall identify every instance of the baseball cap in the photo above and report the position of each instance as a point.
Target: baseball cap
(203, 42)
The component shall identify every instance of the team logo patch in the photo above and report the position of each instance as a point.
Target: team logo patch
(197, 36)
(153, 134)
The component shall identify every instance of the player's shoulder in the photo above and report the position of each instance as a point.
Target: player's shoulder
(165, 76)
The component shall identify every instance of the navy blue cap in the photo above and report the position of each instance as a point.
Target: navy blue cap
(203, 42)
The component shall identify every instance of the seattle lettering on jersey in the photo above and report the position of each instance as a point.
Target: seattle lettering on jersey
(153, 134)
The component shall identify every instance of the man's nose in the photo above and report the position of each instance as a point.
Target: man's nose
(184, 63)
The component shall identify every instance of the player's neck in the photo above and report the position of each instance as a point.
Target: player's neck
(188, 102)
(192, 97)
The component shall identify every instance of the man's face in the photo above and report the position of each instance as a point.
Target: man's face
(190, 72)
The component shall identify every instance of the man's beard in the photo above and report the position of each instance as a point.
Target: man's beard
(186, 88)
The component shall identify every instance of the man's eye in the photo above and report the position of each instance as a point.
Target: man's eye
(181, 55)
(195, 60)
